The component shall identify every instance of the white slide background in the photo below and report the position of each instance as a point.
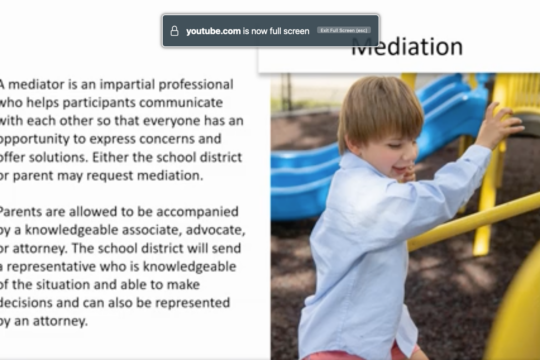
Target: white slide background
(121, 41)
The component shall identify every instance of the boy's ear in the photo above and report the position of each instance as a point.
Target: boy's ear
(353, 147)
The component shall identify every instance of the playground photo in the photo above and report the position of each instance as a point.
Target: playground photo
(470, 282)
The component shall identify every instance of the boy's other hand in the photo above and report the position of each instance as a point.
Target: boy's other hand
(410, 175)
(493, 130)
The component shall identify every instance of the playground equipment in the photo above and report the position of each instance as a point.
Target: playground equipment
(301, 179)
(516, 329)
(520, 92)
(471, 222)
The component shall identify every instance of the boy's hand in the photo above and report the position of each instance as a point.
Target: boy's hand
(493, 130)
(410, 175)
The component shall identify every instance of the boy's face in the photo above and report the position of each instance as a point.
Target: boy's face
(392, 155)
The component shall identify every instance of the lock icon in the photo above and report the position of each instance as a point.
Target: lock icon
(174, 31)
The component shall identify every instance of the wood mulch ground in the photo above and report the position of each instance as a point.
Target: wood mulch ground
(453, 297)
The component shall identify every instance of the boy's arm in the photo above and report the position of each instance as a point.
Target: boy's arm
(409, 209)
(412, 208)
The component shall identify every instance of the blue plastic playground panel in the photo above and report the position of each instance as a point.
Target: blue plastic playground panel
(442, 95)
(482, 78)
(461, 115)
(433, 87)
(283, 177)
(303, 158)
(300, 202)
(300, 179)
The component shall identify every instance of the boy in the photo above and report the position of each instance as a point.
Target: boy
(359, 242)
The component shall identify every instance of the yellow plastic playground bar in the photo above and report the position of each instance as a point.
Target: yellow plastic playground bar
(471, 222)
(466, 140)
(520, 92)
(472, 81)
(409, 78)
(516, 331)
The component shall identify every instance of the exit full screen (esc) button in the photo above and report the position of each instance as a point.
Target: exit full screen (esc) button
(344, 30)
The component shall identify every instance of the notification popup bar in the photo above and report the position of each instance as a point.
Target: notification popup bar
(270, 30)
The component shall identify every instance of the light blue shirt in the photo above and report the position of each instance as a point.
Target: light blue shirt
(360, 252)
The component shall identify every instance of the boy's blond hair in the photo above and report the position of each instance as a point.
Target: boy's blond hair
(376, 107)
